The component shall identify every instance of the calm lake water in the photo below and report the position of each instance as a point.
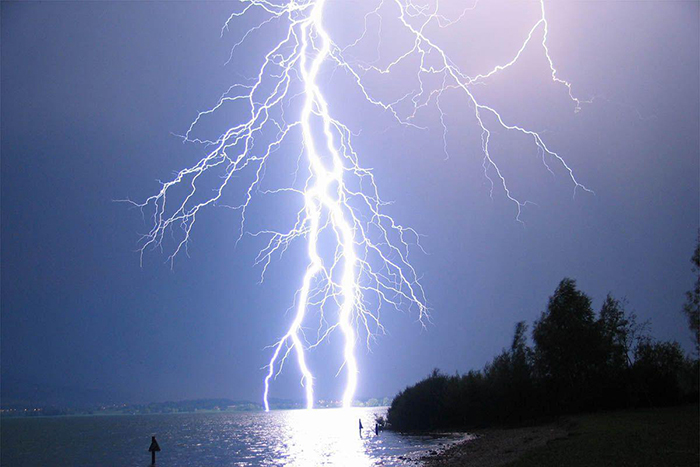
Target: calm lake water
(290, 437)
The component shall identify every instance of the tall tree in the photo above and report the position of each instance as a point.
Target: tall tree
(619, 332)
(568, 348)
(692, 303)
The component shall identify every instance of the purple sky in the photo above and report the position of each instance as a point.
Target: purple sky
(91, 92)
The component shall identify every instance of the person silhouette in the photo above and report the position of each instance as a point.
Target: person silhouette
(376, 429)
(360, 420)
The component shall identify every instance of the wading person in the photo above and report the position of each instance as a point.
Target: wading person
(360, 420)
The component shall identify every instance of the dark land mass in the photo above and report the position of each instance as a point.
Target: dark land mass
(186, 406)
(612, 394)
(653, 437)
(579, 362)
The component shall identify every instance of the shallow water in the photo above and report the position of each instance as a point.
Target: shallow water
(289, 437)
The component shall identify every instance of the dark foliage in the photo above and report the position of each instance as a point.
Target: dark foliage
(657, 373)
(692, 302)
(567, 371)
(580, 362)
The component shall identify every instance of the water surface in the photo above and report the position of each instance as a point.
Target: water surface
(289, 437)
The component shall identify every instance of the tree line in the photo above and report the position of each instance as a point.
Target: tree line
(580, 361)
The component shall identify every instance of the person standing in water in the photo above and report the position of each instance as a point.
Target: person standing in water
(360, 427)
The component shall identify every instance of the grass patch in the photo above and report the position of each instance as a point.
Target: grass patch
(655, 437)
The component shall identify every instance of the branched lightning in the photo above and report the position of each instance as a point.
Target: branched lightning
(369, 263)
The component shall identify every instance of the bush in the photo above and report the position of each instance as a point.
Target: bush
(657, 373)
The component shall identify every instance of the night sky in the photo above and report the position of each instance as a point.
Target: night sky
(93, 93)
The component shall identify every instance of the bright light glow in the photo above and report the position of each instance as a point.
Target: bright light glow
(369, 263)
(328, 437)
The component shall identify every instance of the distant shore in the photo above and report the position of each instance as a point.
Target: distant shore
(668, 436)
(172, 407)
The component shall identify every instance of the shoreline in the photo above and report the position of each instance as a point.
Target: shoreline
(493, 447)
(648, 437)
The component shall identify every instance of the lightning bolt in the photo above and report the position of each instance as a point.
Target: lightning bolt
(368, 267)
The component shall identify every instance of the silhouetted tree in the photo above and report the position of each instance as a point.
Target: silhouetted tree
(619, 332)
(509, 377)
(568, 352)
(518, 347)
(692, 303)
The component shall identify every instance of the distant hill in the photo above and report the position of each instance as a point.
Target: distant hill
(16, 393)
(29, 398)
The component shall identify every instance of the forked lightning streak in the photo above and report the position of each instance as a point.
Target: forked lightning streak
(368, 266)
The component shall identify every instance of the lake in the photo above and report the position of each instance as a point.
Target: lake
(285, 437)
